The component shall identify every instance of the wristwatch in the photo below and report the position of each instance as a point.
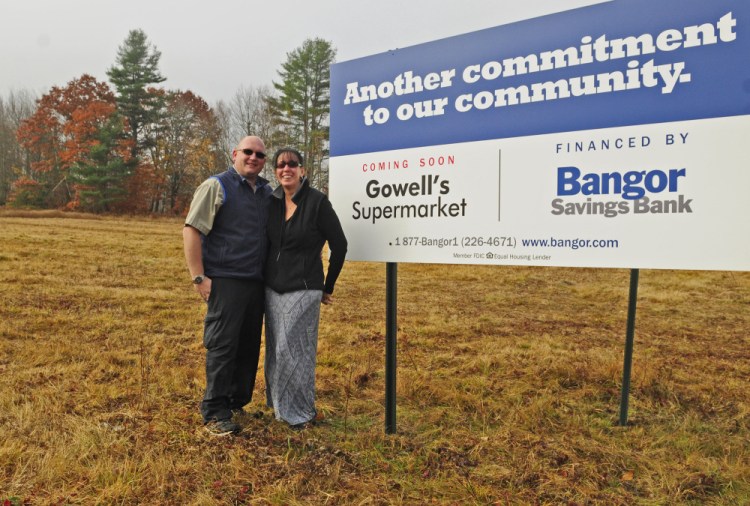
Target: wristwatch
(199, 279)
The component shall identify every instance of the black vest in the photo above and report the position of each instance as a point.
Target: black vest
(236, 245)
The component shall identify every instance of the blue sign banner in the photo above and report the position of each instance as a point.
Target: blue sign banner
(620, 63)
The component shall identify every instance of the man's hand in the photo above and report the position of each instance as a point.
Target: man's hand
(204, 288)
(193, 256)
(327, 298)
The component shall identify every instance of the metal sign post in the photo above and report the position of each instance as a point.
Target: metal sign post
(629, 337)
(391, 306)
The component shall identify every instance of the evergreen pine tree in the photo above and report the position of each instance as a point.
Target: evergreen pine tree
(137, 67)
(101, 176)
(302, 107)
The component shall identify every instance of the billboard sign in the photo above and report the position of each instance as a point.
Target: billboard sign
(608, 136)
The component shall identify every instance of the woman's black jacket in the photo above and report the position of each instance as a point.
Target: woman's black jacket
(294, 259)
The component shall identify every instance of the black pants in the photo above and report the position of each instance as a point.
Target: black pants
(231, 336)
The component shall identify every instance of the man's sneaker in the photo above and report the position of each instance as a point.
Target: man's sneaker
(238, 412)
(222, 427)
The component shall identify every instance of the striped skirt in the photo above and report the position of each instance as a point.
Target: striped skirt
(291, 350)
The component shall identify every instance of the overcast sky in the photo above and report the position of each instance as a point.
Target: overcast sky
(213, 47)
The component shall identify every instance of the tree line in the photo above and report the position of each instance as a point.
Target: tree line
(132, 146)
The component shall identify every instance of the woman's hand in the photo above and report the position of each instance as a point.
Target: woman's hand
(327, 298)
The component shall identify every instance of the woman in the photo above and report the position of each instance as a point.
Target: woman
(300, 221)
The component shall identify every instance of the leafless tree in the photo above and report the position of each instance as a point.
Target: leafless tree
(14, 160)
(246, 113)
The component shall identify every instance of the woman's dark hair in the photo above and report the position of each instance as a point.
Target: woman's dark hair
(284, 151)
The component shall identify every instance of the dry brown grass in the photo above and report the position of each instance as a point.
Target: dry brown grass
(508, 386)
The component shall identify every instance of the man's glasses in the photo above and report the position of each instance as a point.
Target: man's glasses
(291, 163)
(249, 152)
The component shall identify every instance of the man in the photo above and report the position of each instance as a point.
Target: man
(225, 248)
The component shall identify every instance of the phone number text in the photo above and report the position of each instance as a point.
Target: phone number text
(455, 242)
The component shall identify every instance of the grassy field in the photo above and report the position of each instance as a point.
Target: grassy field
(508, 383)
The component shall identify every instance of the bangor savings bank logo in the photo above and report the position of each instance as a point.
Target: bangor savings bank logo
(631, 187)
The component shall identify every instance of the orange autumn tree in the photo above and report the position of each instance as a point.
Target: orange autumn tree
(65, 136)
